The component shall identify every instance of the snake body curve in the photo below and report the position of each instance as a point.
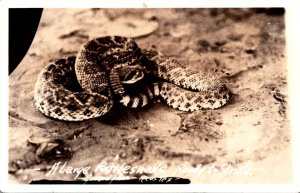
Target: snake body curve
(113, 68)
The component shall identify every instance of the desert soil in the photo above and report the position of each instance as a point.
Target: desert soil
(251, 134)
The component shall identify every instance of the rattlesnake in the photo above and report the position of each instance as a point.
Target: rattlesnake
(114, 68)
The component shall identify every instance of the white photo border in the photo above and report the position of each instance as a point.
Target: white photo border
(293, 47)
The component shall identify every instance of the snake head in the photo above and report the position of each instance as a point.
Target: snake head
(131, 74)
(123, 75)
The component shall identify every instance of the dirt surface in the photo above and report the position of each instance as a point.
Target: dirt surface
(246, 141)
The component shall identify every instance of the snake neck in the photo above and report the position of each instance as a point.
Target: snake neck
(116, 83)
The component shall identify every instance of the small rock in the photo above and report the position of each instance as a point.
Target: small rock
(251, 50)
(279, 97)
(219, 122)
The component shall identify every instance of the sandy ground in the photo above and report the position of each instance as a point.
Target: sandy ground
(246, 141)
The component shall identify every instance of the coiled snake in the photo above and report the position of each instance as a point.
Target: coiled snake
(114, 68)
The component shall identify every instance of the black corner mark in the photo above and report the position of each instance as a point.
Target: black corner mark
(23, 23)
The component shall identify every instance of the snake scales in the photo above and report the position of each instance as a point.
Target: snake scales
(114, 68)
